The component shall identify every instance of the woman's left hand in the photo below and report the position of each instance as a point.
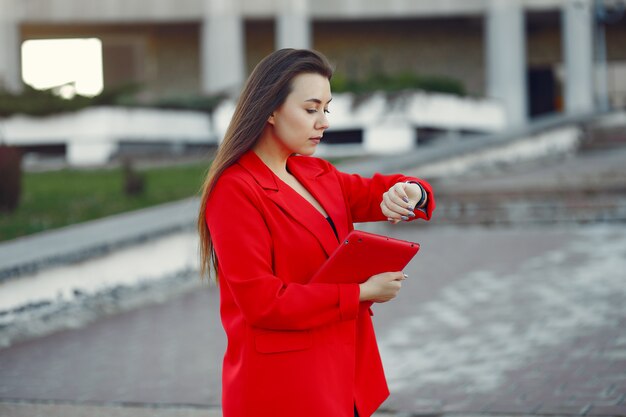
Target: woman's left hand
(399, 201)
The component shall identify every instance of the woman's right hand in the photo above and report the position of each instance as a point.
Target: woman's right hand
(382, 287)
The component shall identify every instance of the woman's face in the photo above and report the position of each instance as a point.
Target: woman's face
(299, 123)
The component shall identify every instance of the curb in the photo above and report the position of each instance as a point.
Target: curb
(81, 241)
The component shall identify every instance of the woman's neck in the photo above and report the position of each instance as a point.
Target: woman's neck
(273, 155)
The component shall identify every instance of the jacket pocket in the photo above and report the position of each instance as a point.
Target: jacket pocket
(275, 342)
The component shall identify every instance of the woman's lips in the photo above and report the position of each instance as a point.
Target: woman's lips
(316, 139)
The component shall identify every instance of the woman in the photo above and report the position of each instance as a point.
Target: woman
(271, 215)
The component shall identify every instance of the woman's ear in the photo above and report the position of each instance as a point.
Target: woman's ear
(270, 119)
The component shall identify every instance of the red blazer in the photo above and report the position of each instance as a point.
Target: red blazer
(294, 349)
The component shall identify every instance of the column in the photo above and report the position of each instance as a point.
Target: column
(10, 47)
(293, 26)
(506, 58)
(577, 34)
(222, 47)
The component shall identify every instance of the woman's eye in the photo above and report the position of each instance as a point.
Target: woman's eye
(313, 111)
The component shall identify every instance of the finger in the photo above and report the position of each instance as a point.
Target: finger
(414, 191)
(399, 196)
(387, 212)
(386, 276)
(393, 218)
(401, 193)
(405, 209)
(396, 276)
(396, 208)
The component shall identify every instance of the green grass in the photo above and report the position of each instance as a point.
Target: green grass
(54, 199)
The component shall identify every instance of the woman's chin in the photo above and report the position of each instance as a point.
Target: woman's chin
(308, 151)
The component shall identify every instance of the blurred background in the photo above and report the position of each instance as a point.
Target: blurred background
(514, 110)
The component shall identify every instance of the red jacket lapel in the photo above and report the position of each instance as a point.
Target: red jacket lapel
(323, 184)
(294, 204)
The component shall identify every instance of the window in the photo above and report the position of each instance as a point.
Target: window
(68, 66)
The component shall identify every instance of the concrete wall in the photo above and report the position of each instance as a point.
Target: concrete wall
(92, 136)
(422, 45)
(543, 36)
(417, 45)
(450, 46)
(161, 54)
(186, 10)
(163, 57)
(158, 43)
(259, 40)
(544, 49)
(177, 59)
(616, 41)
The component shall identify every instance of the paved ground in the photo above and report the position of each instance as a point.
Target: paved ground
(102, 410)
(530, 321)
(503, 321)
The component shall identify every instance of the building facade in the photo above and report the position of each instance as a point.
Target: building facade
(536, 56)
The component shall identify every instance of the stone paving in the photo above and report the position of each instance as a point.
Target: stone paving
(544, 334)
(83, 410)
(491, 321)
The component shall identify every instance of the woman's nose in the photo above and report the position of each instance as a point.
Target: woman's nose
(322, 122)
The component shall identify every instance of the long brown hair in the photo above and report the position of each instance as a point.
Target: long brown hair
(265, 90)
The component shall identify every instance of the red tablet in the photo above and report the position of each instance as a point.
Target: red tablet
(362, 255)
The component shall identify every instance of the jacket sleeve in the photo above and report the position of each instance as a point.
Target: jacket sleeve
(364, 195)
(243, 246)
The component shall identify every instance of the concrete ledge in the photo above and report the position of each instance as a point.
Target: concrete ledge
(445, 150)
(94, 134)
(84, 240)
